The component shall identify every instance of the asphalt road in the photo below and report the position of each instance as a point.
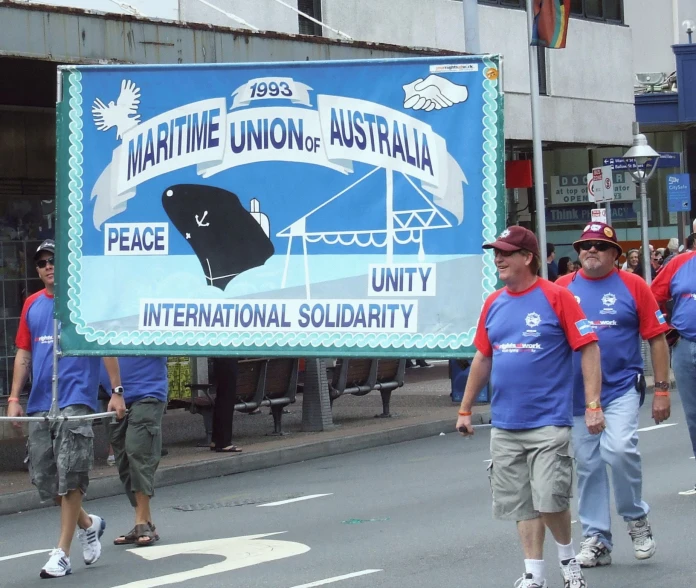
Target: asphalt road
(413, 515)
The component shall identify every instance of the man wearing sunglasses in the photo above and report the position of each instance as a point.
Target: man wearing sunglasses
(60, 453)
(525, 340)
(621, 309)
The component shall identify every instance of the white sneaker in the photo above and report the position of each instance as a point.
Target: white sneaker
(689, 492)
(572, 575)
(593, 553)
(527, 581)
(89, 539)
(57, 566)
(111, 460)
(641, 534)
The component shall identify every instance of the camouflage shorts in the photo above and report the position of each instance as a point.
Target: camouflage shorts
(61, 453)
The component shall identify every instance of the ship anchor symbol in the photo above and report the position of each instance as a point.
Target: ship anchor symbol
(200, 222)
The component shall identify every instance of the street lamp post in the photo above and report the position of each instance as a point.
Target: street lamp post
(643, 153)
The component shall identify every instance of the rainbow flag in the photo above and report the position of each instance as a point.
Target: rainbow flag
(551, 23)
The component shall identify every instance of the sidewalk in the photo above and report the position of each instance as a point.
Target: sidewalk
(421, 408)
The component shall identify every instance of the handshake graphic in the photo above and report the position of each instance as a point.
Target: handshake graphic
(433, 93)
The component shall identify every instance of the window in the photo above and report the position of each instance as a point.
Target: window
(607, 10)
(312, 8)
(507, 3)
(541, 65)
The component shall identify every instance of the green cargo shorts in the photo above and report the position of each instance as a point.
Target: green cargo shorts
(137, 444)
(60, 454)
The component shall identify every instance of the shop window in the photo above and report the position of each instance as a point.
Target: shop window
(313, 9)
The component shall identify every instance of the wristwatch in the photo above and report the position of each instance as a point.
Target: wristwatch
(662, 386)
(118, 390)
(593, 405)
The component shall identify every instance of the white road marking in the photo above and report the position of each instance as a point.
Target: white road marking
(662, 426)
(25, 554)
(300, 499)
(238, 552)
(337, 579)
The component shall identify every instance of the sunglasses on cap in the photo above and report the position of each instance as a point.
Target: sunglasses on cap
(598, 245)
(42, 263)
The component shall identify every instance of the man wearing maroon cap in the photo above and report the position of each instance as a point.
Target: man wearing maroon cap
(621, 309)
(525, 340)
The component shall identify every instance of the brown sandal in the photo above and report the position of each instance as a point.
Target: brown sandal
(145, 532)
(131, 538)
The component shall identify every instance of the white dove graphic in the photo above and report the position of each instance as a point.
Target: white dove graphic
(123, 114)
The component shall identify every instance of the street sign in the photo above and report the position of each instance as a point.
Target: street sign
(621, 163)
(591, 196)
(599, 215)
(678, 193)
(669, 160)
(602, 184)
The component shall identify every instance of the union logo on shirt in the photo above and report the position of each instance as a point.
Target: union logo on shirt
(608, 300)
(44, 339)
(660, 317)
(533, 320)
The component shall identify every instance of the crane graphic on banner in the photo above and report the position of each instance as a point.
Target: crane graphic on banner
(402, 226)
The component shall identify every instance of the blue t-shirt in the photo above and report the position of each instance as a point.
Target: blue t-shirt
(677, 280)
(621, 309)
(530, 337)
(141, 377)
(77, 376)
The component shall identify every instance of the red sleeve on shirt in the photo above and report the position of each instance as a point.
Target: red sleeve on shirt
(573, 321)
(652, 322)
(661, 284)
(23, 339)
(481, 340)
(564, 281)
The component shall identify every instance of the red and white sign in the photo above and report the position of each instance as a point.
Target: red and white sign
(600, 184)
(599, 215)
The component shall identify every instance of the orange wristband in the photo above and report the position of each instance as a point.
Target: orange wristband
(663, 393)
(594, 409)
(12, 399)
(464, 413)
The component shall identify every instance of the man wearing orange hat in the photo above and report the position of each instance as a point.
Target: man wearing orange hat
(525, 340)
(621, 309)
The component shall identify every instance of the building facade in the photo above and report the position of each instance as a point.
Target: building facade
(587, 90)
(665, 87)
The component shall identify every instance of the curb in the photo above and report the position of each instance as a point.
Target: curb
(107, 487)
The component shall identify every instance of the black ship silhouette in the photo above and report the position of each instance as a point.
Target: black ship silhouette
(226, 238)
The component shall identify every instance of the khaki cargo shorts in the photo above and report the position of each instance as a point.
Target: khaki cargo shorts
(531, 472)
(60, 454)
